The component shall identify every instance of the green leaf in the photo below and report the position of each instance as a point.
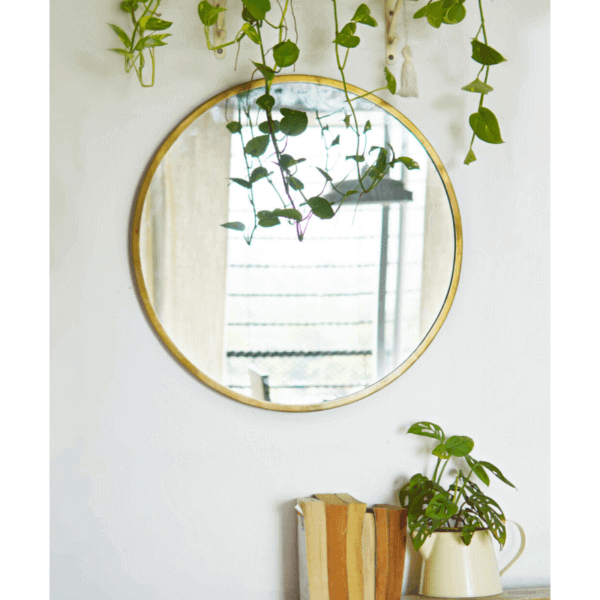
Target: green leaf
(241, 182)
(346, 37)
(251, 33)
(208, 13)
(285, 53)
(286, 161)
(336, 141)
(258, 173)
(294, 122)
(347, 121)
(356, 157)
(324, 173)
(422, 12)
(485, 55)
(363, 15)
(320, 207)
(441, 507)
(122, 35)
(269, 221)
(485, 126)
(129, 6)
(470, 157)
(455, 14)
(408, 162)
(459, 445)
(288, 213)
(152, 41)
(496, 471)
(427, 429)
(440, 451)
(472, 523)
(424, 528)
(367, 127)
(266, 71)
(478, 87)
(155, 24)
(266, 102)
(257, 146)
(478, 470)
(237, 225)
(123, 52)
(435, 13)
(234, 126)
(257, 8)
(390, 81)
(295, 184)
(264, 126)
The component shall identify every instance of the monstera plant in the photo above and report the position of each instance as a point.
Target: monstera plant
(461, 505)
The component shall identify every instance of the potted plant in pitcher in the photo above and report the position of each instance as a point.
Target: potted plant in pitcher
(453, 529)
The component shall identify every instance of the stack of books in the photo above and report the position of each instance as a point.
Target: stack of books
(348, 551)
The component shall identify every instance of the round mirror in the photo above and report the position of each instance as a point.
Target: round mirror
(293, 251)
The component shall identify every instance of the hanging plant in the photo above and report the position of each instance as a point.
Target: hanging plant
(142, 39)
(483, 122)
(271, 136)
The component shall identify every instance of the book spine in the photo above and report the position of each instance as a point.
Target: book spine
(337, 566)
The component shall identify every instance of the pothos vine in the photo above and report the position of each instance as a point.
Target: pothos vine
(273, 134)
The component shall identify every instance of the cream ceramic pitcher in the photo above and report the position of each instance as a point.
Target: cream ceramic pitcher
(452, 569)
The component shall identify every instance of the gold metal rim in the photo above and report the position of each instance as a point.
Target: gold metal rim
(137, 265)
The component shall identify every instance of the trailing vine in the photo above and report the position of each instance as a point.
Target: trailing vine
(483, 122)
(273, 134)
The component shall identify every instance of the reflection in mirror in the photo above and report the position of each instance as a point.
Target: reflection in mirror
(284, 321)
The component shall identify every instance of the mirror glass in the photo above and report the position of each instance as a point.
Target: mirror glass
(285, 313)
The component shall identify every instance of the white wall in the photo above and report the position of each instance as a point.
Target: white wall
(161, 487)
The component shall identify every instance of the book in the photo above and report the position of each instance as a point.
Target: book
(382, 549)
(368, 552)
(354, 557)
(312, 549)
(336, 512)
(396, 537)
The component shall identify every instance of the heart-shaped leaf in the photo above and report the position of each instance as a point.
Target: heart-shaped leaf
(258, 174)
(257, 8)
(286, 161)
(295, 184)
(251, 32)
(367, 127)
(455, 14)
(441, 507)
(427, 429)
(208, 13)
(336, 141)
(294, 122)
(122, 35)
(346, 37)
(285, 53)
(459, 445)
(470, 157)
(407, 161)
(288, 213)
(320, 207)
(237, 225)
(155, 24)
(390, 81)
(478, 87)
(324, 173)
(485, 126)
(484, 54)
(257, 146)
(266, 102)
(241, 182)
(266, 72)
(234, 126)
(264, 126)
(363, 15)
(440, 451)
(435, 13)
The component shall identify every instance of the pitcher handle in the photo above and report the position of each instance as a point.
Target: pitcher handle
(521, 549)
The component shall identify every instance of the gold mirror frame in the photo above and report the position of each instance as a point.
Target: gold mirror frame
(142, 290)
